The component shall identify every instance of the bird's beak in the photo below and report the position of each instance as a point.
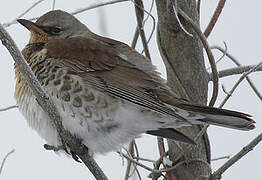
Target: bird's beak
(32, 27)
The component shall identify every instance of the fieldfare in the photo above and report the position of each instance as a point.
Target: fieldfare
(106, 92)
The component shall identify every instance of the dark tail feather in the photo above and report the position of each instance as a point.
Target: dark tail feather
(171, 134)
(221, 117)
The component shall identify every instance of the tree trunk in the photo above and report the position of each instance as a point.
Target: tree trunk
(186, 74)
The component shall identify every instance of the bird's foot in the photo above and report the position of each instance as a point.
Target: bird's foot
(62, 147)
(54, 148)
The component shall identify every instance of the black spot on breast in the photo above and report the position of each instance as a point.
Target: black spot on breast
(65, 96)
(65, 87)
(77, 102)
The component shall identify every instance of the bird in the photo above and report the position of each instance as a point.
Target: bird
(106, 92)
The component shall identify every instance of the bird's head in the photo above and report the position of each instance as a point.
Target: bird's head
(54, 24)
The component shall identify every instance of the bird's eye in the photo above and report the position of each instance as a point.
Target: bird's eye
(56, 30)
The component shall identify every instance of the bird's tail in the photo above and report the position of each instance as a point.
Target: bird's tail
(219, 117)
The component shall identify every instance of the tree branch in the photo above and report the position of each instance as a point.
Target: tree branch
(214, 17)
(217, 174)
(139, 9)
(187, 76)
(48, 106)
(238, 82)
(238, 64)
(234, 71)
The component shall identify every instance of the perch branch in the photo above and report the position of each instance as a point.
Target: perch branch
(48, 106)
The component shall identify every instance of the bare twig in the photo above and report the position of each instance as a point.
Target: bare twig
(53, 4)
(96, 5)
(162, 151)
(238, 82)
(22, 14)
(185, 162)
(224, 90)
(222, 157)
(8, 108)
(48, 106)
(178, 20)
(129, 163)
(236, 157)
(102, 21)
(223, 55)
(209, 54)
(144, 159)
(234, 71)
(4, 160)
(198, 7)
(135, 38)
(238, 64)
(139, 9)
(214, 17)
(201, 133)
(138, 163)
(78, 11)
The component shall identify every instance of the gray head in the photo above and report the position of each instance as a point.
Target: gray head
(54, 24)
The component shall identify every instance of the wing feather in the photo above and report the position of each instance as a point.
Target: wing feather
(101, 67)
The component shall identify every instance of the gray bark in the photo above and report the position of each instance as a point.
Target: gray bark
(186, 74)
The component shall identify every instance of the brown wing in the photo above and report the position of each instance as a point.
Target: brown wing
(102, 67)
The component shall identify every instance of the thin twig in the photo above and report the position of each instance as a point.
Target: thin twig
(174, 2)
(186, 162)
(209, 54)
(224, 90)
(144, 159)
(138, 163)
(201, 133)
(238, 64)
(129, 163)
(198, 7)
(238, 82)
(235, 71)
(96, 5)
(53, 4)
(223, 55)
(135, 38)
(139, 9)
(222, 157)
(162, 151)
(4, 160)
(136, 35)
(8, 108)
(78, 11)
(22, 14)
(236, 157)
(48, 106)
(102, 21)
(214, 17)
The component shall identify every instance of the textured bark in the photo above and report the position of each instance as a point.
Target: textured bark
(186, 74)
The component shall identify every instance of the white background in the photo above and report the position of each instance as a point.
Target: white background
(239, 26)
